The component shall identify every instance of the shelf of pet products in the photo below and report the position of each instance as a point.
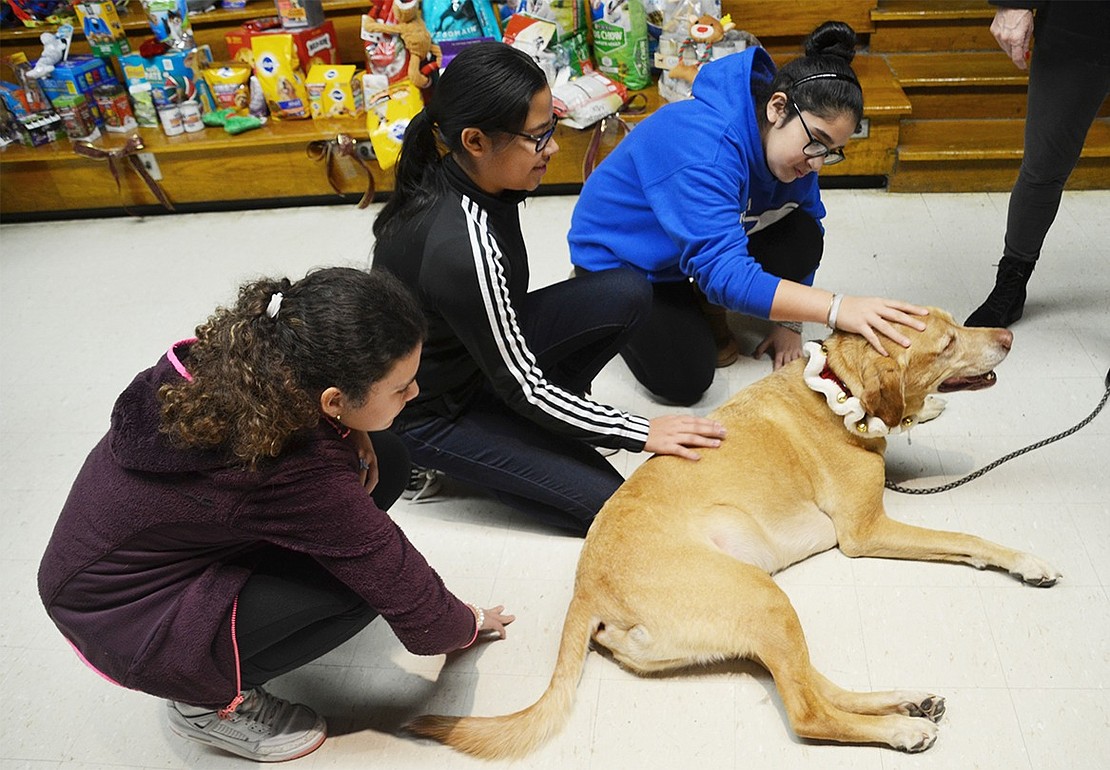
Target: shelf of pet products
(303, 159)
(209, 28)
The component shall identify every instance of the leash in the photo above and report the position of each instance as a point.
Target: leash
(971, 476)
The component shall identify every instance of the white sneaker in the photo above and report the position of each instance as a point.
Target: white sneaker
(423, 484)
(264, 728)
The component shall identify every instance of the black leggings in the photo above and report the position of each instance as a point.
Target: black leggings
(291, 610)
(1065, 94)
(673, 353)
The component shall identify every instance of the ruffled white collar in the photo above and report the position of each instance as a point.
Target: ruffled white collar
(823, 380)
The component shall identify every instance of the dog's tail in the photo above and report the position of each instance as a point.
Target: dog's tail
(515, 735)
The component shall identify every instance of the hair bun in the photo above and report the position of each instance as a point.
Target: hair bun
(833, 38)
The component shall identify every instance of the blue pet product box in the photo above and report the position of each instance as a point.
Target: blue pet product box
(79, 74)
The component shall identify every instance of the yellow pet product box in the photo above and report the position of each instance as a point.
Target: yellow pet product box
(334, 91)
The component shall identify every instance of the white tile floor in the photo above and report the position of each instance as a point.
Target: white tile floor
(84, 305)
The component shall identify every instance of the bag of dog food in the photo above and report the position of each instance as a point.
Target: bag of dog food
(230, 85)
(282, 81)
(460, 20)
(621, 41)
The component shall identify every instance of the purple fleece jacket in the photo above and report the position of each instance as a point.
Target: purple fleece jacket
(154, 543)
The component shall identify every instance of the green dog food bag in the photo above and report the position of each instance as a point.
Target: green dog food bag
(621, 41)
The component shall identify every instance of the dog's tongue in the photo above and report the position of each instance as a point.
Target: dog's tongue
(978, 382)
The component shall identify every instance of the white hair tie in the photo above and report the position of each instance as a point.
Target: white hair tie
(275, 304)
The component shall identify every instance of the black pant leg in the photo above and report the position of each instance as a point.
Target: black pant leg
(290, 612)
(1064, 97)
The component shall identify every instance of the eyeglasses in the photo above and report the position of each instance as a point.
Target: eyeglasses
(816, 148)
(541, 140)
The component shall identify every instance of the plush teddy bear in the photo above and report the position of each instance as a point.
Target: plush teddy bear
(425, 56)
(697, 49)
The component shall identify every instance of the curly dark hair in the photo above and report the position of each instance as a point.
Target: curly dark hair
(258, 374)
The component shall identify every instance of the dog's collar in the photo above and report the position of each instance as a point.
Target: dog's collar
(822, 379)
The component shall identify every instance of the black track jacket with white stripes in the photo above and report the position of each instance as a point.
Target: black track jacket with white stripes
(465, 259)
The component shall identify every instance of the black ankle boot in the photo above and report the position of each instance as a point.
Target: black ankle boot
(1006, 302)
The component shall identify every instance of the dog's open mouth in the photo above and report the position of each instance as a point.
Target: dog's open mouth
(975, 382)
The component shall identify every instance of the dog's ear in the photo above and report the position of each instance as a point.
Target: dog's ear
(875, 379)
(883, 393)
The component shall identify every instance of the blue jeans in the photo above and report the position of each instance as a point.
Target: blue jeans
(574, 328)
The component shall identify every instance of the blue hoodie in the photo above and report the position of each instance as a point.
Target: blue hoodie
(670, 199)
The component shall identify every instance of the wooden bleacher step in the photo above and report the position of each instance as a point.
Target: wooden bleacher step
(968, 84)
(928, 25)
(983, 155)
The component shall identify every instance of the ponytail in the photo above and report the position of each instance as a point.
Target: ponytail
(259, 367)
(418, 178)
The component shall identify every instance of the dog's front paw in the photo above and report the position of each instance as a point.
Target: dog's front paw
(932, 409)
(1036, 571)
(915, 735)
(930, 707)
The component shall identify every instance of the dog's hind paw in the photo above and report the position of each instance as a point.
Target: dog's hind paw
(931, 708)
(918, 735)
(1036, 571)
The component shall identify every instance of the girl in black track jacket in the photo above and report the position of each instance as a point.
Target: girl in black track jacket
(505, 373)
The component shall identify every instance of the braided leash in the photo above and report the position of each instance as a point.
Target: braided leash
(952, 485)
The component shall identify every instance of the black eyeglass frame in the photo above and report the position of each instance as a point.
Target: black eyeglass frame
(816, 148)
(543, 139)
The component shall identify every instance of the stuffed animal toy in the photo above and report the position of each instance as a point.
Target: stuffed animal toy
(425, 56)
(697, 49)
(53, 51)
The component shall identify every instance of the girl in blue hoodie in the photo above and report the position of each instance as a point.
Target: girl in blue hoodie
(715, 200)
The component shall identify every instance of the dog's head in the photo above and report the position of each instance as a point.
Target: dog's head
(945, 357)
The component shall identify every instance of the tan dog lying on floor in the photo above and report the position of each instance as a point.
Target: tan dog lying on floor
(676, 568)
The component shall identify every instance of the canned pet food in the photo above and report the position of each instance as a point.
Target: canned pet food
(115, 108)
(190, 117)
(172, 123)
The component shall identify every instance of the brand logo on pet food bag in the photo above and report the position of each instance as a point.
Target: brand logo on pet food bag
(268, 64)
(337, 95)
(608, 37)
(317, 44)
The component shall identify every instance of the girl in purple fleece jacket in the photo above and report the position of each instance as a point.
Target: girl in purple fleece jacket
(222, 534)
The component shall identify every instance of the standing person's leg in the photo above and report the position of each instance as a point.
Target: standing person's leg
(575, 327)
(1064, 97)
(560, 481)
(674, 353)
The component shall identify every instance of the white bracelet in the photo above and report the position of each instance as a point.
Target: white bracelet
(834, 310)
(479, 620)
